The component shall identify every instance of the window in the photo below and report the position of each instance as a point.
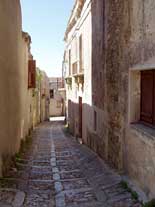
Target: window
(81, 53)
(74, 68)
(51, 93)
(95, 121)
(32, 74)
(74, 49)
(147, 113)
(69, 62)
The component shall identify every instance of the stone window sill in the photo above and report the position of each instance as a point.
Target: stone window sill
(144, 130)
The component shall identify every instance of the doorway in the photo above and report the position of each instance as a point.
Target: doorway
(80, 117)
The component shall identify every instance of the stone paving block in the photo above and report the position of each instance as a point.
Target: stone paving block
(71, 174)
(68, 168)
(11, 197)
(58, 187)
(41, 175)
(40, 185)
(41, 169)
(66, 163)
(75, 184)
(60, 200)
(79, 196)
(39, 200)
(41, 163)
(19, 199)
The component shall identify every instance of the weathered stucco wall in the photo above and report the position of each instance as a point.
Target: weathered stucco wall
(123, 44)
(81, 84)
(97, 136)
(139, 142)
(127, 46)
(10, 102)
(25, 93)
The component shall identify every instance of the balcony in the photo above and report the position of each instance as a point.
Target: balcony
(69, 81)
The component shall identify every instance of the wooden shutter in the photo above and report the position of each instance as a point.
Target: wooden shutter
(29, 74)
(81, 53)
(69, 62)
(32, 74)
(147, 96)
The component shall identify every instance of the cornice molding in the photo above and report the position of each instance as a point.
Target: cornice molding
(75, 15)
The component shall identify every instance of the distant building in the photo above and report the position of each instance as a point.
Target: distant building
(57, 96)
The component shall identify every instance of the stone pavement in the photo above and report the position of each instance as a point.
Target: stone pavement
(58, 172)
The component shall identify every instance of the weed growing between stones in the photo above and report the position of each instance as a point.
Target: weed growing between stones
(125, 185)
(10, 163)
(24, 146)
(150, 203)
(3, 183)
(134, 194)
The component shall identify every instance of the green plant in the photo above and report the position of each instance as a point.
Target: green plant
(24, 146)
(134, 195)
(125, 185)
(7, 183)
(150, 203)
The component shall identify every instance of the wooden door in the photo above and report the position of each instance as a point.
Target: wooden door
(80, 117)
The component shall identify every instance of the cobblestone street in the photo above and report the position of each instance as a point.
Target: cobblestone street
(59, 172)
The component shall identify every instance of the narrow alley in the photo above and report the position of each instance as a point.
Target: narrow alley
(91, 62)
(57, 171)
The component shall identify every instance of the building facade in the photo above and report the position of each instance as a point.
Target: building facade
(77, 64)
(117, 83)
(57, 96)
(10, 76)
(20, 89)
(45, 98)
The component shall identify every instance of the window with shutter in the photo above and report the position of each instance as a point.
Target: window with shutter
(147, 96)
(29, 74)
(32, 74)
(69, 62)
(81, 53)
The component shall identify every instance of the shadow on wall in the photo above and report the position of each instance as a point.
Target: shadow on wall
(94, 134)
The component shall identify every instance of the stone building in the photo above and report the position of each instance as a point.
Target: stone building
(19, 84)
(10, 78)
(57, 96)
(118, 90)
(28, 87)
(77, 64)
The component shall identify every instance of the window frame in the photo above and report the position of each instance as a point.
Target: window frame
(143, 118)
(52, 92)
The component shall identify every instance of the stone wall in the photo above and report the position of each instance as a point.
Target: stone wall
(123, 47)
(139, 139)
(122, 44)
(10, 107)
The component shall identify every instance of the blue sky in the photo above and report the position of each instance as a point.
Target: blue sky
(45, 21)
